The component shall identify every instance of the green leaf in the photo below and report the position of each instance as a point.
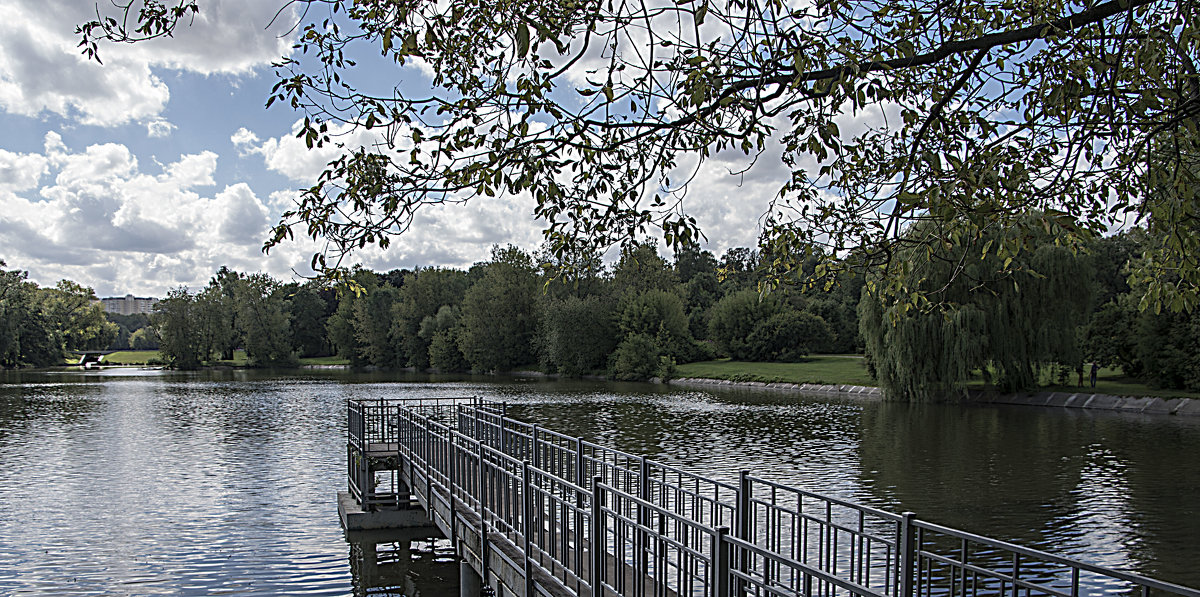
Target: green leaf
(522, 40)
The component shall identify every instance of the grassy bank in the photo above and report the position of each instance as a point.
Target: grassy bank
(818, 369)
(849, 370)
(132, 357)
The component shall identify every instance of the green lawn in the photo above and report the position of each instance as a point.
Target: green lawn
(324, 361)
(131, 357)
(849, 370)
(818, 369)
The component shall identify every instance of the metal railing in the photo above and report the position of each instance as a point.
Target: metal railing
(597, 521)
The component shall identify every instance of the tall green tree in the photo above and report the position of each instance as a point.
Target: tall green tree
(215, 314)
(180, 338)
(499, 314)
(423, 295)
(641, 269)
(307, 310)
(697, 271)
(440, 331)
(222, 298)
(1009, 313)
(263, 321)
(373, 326)
(27, 337)
(733, 319)
(575, 335)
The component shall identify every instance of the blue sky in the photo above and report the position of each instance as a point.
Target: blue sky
(162, 165)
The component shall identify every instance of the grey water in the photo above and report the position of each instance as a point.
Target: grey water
(134, 482)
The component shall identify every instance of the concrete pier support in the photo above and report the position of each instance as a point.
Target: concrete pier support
(469, 582)
(354, 518)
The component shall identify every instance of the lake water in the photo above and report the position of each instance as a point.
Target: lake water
(128, 482)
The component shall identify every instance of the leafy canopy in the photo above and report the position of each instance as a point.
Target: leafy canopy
(886, 113)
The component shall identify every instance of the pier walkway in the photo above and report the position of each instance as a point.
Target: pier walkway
(534, 512)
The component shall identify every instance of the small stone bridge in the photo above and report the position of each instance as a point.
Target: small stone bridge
(533, 512)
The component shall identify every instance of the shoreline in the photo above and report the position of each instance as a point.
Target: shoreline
(1148, 405)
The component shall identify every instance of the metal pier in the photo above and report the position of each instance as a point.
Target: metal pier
(534, 512)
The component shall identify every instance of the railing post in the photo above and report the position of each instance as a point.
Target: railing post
(503, 445)
(907, 555)
(428, 466)
(598, 539)
(450, 481)
(533, 447)
(720, 563)
(580, 462)
(744, 522)
(527, 523)
(482, 501)
(641, 541)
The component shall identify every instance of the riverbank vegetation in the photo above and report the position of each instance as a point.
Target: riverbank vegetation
(639, 318)
(1054, 309)
(38, 325)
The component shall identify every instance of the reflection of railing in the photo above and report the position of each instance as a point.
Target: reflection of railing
(597, 521)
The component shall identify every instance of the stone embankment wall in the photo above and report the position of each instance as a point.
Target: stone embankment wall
(1147, 405)
(799, 388)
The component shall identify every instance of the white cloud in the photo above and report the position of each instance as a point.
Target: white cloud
(243, 216)
(98, 218)
(157, 129)
(20, 171)
(290, 155)
(42, 69)
(244, 139)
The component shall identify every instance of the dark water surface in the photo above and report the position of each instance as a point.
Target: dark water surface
(127, 482)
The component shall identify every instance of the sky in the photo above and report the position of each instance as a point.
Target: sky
(155, 169)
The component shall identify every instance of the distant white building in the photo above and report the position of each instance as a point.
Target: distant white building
(129, 304)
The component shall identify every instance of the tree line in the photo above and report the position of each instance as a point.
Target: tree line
(634, 320)
(1046, 310)
(1019, 317)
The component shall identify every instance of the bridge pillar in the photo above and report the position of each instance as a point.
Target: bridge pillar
(469, 582)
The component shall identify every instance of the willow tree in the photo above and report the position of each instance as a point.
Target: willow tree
(603, 111)
(1007, 314)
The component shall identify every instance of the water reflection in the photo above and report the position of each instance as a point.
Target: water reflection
(152, 482)
(1092, 484)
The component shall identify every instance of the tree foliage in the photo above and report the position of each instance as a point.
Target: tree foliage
(26, 336)
(575, 335)
(181, 341)
(498, 313)
(422, 295)
(887, 114)
(264, 321)
(1010, 324)
(77, 316)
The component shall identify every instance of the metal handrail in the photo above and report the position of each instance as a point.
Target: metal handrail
(652, 517)
(1143, 581)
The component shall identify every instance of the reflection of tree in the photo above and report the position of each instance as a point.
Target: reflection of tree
(43, 403)
(1109, 488)
(1006, 473)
